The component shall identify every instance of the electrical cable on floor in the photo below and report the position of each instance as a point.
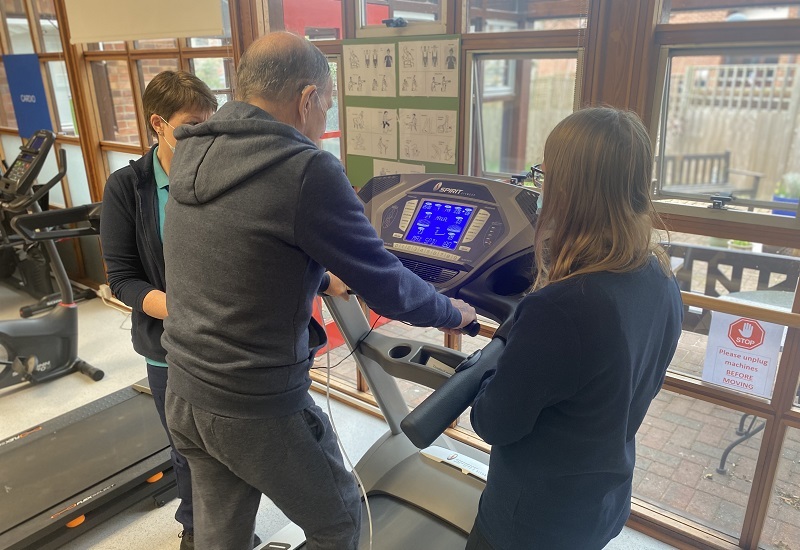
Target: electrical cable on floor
(114, 306)
(333, 424)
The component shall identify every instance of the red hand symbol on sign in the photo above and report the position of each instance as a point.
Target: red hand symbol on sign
(746, 330)
(746, 333)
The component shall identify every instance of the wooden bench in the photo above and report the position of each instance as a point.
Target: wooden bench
(705, 174)
(724, 270)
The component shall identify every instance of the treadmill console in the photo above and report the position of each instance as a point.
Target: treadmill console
(448, 229)
(21, 174)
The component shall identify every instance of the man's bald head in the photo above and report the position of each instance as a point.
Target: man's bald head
(277, 67)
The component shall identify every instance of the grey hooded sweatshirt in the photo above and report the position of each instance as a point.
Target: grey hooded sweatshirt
(255, 212)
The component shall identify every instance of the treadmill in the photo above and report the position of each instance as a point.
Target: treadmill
(67, 475)
(472, 239)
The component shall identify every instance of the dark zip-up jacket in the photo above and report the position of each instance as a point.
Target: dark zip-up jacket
(584, 359)
(255, 212)
(132, 248)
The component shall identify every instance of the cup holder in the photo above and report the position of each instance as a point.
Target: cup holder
(398, 352)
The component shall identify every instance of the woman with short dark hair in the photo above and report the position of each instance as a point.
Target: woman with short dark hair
(588, 350)
(130, 232)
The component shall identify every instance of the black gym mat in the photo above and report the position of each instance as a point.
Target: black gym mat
(64, 459)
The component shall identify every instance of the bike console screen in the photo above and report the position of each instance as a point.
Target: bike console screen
(451, 229)
(22, 173)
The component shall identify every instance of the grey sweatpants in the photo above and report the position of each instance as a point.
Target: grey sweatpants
(294, 460)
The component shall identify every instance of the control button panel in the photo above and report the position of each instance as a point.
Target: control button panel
(477, 224)
(425, 251)
(408, 212)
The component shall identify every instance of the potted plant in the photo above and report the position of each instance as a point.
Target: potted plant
(787, 190)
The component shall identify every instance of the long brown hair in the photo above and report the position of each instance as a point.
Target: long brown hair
(596, 214)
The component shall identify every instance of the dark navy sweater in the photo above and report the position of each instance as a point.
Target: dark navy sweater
(255, 212)
(132, 248)
(583, 361)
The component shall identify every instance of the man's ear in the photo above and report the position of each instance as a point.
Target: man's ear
(306, 102)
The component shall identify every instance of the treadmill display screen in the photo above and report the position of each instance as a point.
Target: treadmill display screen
(439, 224)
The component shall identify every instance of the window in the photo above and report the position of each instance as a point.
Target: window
(706, 11)
(782, 526)
(217, 73)
(727, 126)
(106, 47)
(117, 160)
(156, 44)
(216, 41)
(332, 138)
(17, 27)
(121, 71)
(7, 115)
(77, 182)
(513, 15)
(11, 145)
(410, 10)
(679, 448)
(64, 111)
(115, 101)
(314, 19)
(148, 68)
(47, 25)
(420, 17)
(517, 99)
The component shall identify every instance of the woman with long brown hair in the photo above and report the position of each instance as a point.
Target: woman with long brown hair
(588, 349)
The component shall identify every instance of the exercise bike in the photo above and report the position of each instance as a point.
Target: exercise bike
(41, 349)
(25, 266)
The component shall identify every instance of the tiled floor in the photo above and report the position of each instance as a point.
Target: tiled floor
(105, 342)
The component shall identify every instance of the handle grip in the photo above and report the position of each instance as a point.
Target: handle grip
(432, 417)
(471, 329)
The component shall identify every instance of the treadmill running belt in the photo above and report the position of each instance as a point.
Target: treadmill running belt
(38, 475)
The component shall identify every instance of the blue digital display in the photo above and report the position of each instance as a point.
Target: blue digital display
(439, 224)
(36, 143)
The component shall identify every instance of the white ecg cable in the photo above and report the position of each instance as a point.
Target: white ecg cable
(333, 424)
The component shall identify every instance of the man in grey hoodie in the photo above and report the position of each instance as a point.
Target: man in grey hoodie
(256, 210)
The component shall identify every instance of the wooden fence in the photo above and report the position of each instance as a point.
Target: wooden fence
(751, 110)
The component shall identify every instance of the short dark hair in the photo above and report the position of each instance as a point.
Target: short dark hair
(278, 73)
(173, 91)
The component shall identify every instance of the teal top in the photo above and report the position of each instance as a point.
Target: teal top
(162, 192)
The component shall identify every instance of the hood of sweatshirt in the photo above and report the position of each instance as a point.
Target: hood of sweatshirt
(202, 170)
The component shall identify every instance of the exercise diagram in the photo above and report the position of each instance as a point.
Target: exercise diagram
(428, 135)
(409, 84)
(371, 132)
(370, 70)
(429, 68)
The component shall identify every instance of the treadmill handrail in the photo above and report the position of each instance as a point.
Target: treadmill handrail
(33, 227)
(411, 362)
(440, 409)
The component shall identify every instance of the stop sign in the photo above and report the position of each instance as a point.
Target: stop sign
(746, 333)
